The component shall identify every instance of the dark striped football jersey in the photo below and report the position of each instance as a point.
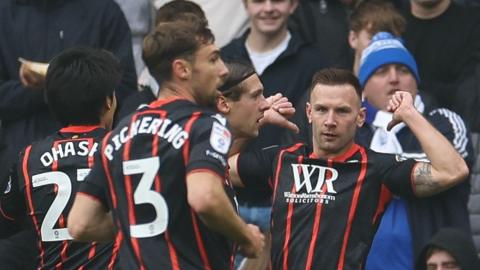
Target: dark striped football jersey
(143, 163)
(48, 176)
(325, 211)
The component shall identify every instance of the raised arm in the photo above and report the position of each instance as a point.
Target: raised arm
(446, 168)
(207, 198)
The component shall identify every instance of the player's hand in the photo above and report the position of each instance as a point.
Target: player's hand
(400, 104)
(255, 246)
(31, 79)
(280, 104)
(280, 110)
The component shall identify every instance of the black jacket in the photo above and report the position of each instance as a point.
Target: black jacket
(455, 242)
(38, 30)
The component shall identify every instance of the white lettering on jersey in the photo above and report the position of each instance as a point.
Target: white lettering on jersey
(174, 134)
(220, 138)
(302, 174)
(305, 192)
(67, 150)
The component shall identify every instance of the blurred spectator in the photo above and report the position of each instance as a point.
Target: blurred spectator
(444, 38)
(369, 18)
(38, 30)
(226, 18)
(449, 249)
(326, 22)
(140, 16)
(408, 223)
(149, 86)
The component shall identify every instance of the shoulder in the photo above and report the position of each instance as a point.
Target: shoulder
(234, 49)
(444, 118)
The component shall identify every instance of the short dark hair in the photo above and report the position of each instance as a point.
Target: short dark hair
(174, 40)
(171, 10)
(238, 72)
(335, 76)
(78, 81)
(377, 16)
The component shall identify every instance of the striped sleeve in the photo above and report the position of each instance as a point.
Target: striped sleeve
(453, 128)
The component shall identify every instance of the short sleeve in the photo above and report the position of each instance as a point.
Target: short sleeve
(210, 141)
(255, 166)
(397, 174)
(95, 184)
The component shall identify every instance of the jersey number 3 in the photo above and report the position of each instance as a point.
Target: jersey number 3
(143, 194)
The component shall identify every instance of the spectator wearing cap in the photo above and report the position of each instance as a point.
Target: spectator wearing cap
(408, 223)
(449, 249)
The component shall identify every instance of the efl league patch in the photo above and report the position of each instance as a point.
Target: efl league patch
(220, 138)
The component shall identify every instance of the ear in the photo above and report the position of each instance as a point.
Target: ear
(308, 110)
(353, 39)
(222, 105)
(110, 102)
(362, 114)
(181, 69)
(294, 6)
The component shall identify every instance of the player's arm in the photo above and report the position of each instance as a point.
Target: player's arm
(446, 168)
(88, 220)
(207, 198)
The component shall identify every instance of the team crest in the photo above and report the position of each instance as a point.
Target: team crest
(220, 138)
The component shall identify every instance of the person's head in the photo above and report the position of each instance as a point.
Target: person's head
(173, 9)
(335, 111)
(241, 100)
(431, 5)
(182, 52)
(269, 17)
(449, 248)
(80, 86)
(440, 259)
(371, 17)
(386, 67)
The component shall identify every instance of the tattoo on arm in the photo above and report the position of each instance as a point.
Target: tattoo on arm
(423, 180)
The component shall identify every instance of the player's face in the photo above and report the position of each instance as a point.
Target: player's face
(269, 16)
(208, 73)
(335, 113)
(442, 260)
(245, 114)
(387, 80)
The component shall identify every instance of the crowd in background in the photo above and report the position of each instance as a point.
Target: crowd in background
(437, 42)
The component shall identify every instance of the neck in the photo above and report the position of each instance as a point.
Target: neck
(319, 153)
(237, 145)
(426, 11)
(174, 89)
(356, 63)
(260, 42)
